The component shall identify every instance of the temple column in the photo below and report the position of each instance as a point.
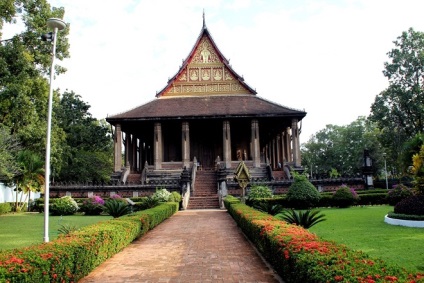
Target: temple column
(127, 149)
(288, 145)
(278, 151)
(117, 148)
(140, 155)
(134, 154)
(185, 131)
(296, 144)
(255, 148)
(226, 134)
(157, 146)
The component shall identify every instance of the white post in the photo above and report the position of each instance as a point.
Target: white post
(56, 24)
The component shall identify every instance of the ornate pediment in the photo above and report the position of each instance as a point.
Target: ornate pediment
(205, 72)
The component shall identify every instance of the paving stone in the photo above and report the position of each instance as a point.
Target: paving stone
(191, 246)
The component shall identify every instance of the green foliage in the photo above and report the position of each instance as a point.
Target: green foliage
(9, 145)
(344, 197)
(162, 195)
(305, 219)
(257, 191)
(398, 193)
(268, 207)
(76, 254)
(5, 208)
(66, 229)
(116, 208)
(302, 194)
(92, 206)
(89, 147)
(418, 170)
(412, 217)
(63, 206)
(300, 256)
(147, 202)
(175, 197)
(398, 110)
(338, 150)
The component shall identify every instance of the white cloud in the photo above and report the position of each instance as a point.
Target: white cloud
(322, 56)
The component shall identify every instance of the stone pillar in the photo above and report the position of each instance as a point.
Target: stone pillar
(226, 135)
(185, 136)
(117, 149)
(296, 144)
(140, 155)
(288, 145)
(127, 149)
(134, 162)
(278, 152)
(255, 148)
(157, 146)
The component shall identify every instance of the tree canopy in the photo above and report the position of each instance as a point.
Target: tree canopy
(398, 111)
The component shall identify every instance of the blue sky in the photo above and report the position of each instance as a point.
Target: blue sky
(325, 57)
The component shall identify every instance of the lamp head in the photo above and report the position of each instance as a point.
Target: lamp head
(56, 23)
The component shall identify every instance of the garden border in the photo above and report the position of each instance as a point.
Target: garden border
(405, 223)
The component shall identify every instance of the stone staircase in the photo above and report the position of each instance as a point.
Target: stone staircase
(205, 194)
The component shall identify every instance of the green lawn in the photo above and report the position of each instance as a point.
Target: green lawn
(363, 228)
(26, 229)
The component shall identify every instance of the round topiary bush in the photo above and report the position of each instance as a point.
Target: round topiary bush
(398, 193)
(344, 197)
(413, 205)
(257, 192)
(302, 194)
(63, 206)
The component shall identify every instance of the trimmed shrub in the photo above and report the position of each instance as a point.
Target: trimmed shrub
(162, 195)
(413, 205)
(63, 206)
(257, 192)
(92, 206)
(302, 194)
(398, 193)
(74, 255)
(5, 208)
(299, 256)
(344, 197)
(175, 197)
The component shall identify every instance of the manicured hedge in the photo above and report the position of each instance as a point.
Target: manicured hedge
(71, 257)
(300, 256)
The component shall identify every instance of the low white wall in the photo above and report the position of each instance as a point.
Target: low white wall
(407, 223)
(7, 194)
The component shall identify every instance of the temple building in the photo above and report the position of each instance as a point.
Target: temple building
(204, 122)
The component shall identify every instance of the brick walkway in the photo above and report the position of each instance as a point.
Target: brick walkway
(191, 246)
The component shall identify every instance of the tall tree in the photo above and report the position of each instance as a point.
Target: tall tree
(89, 147)
(25, 62)
(398, 111)
(341, 148)
(9, 146)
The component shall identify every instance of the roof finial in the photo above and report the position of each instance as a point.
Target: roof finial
(204, 23)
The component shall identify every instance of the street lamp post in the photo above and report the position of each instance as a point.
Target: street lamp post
(56, 25)
(385, 170)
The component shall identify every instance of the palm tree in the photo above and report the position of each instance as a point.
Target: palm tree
(30, 178)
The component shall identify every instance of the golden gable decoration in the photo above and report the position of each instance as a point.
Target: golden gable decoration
(205, 71)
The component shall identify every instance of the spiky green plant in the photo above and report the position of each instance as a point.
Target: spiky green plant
(65, 229)
(268, 207)
(304, 218)
(116, 208)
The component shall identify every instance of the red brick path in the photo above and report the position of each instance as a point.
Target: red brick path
(191, 246)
